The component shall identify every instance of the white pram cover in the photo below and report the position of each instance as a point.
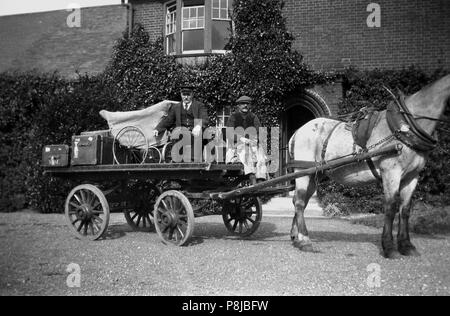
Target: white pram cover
(146, 120)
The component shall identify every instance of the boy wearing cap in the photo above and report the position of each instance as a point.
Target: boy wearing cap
(246, 150)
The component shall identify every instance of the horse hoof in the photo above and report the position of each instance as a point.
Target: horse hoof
(303, 247)
(391, 254)
(409, 252)
(307, 248)
(406, 248)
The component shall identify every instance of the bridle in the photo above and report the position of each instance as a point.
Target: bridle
(422, 117)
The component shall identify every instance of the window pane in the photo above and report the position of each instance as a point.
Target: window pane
(193, 40)
(216, 14)
(216, 4)
(185, 13)
(201, 23)
(192, 12)
(223, 14)
(221, 31)
(170, 44)
(192, 24)
(201, 12)
(223, 4)
(185, 24)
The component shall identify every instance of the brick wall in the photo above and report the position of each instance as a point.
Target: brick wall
(332, 34)
(43, 41)
(150, 15)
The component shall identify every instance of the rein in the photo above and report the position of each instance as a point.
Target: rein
(425, 118)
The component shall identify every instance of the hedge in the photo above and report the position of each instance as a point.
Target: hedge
(36, 110)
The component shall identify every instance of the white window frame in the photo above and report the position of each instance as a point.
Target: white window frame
(171, 23)
(228, 18)
(222, 115)
(200, 51)
(197, 19)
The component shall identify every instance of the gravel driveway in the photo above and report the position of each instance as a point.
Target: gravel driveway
(36, 251)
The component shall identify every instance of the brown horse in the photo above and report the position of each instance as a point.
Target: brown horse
(399, 174)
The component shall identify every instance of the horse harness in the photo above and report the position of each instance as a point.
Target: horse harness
(401, 122)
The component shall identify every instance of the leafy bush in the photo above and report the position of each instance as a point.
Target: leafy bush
(36, 110)
(365, 88)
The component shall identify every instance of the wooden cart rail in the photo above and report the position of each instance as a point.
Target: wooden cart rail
(165, 171)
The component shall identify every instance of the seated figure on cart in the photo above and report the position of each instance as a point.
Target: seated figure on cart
(246, 149)
(190, 114)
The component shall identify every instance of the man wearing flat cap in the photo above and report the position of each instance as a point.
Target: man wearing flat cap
(245, 149)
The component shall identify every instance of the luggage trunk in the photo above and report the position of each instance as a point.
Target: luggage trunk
(92, 150)
(55, 156)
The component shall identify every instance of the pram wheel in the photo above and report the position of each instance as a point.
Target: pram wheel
(130, 146)
(153, 155)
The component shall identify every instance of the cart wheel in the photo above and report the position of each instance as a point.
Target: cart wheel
(140, 216)
(174, 218)
(242, 216)
(87, 212)
(130, 146)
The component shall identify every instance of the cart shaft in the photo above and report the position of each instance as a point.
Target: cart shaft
(390, 150)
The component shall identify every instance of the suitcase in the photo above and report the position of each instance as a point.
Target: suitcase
(92, 150)
(104, 133)
(55, 156)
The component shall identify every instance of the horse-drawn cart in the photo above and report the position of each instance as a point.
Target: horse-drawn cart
(170, 195)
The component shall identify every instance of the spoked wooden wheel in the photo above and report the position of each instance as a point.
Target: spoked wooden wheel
(87, 212)
(242, 215)
(130, 146)
(174, 218)
(140, 215)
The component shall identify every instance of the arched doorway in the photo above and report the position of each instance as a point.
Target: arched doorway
(298, 111)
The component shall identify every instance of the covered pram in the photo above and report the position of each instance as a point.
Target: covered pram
(134, 141)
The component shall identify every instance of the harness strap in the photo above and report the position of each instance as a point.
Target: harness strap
(369, 161)
(373, 169)
(325, 143)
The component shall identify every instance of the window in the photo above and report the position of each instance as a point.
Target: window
(197, 26)
(220, 9)
(193, 28)
(221, 24)
(223, 115)
(171, 27)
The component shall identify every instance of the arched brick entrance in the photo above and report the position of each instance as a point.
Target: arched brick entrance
(299, 110)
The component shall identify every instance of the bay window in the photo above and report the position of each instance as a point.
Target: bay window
(197, 26)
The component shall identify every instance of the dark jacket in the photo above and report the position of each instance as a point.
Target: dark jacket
(173, 118)
(237, 119)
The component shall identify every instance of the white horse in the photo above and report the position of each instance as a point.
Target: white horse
(399, 174)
